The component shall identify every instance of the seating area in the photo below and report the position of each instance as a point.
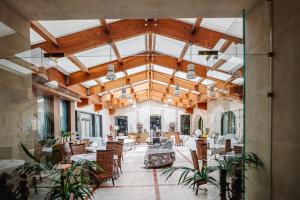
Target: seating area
(149, 100)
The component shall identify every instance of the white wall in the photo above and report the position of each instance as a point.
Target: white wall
(105, 117)
(216, 108)
(143, 111)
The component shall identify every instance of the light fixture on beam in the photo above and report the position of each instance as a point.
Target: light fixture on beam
(177, 90)
(110, 73)
(110, 68)
(191, 71)
(191, 67)
(124, 95)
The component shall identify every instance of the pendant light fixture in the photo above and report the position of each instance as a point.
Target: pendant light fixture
(191, 67)
(124, 95)
(177, 90)
(110, 68)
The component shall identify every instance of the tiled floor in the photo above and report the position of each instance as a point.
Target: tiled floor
(137, 183)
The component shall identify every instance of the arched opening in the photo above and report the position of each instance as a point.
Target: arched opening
(228, 123)
(200, 124)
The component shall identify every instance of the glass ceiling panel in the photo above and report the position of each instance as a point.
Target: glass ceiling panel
(231, 64)
(199, 59)
(59, 28)
(131, 46)
(182, 75)
(118, 75)
(207, 82)
(5, 30)
(35, 57)
(218, 75)
(96, 56)
(223, 25)
(162, 69)
(188, 20)
(219, 44)
(8, 65)
(238, 81)
(233, 50)
(168, 45)
(90, 83)
(35, 38)
(66, 66)
(112, 20)
(136, 70)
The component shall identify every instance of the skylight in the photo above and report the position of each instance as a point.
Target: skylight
(232, 63)
(35, 38)
(238, 81)
(164, 70)
(182, 75)
(188, 20)
(207, 82)
(112, 20)
(168, 45)
(96, 56)
(136, 70)
(90, 83)
(232, 26)
(59, 28)
(5, 30)
(159, 82)
(199, 59)
(67, 66)
(219, 44)
(218, 75)
(14, 67)
(35, 57)
(131, 46)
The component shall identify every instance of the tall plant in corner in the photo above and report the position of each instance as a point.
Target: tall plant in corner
(73, 182)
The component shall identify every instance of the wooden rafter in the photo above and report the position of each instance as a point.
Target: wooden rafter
(44, 33)
(104, 25)
(124, 29)
(116, 51)
(79, 64)
(183, 52)
(196, 25)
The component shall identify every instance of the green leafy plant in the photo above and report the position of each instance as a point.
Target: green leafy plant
(190, 177)
(75, 182)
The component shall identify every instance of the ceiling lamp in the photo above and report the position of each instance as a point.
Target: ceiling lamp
(191, 71)
(110, 69)
(177, 90)
(191, 67)
(124, 95)
(110, 73)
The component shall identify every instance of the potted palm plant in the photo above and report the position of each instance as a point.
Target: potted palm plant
(74, 182)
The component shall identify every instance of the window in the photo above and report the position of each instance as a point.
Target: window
(200, 124)
(45, 115)
(228, 123)
(64, 115)
(185, 124)
(88, 124)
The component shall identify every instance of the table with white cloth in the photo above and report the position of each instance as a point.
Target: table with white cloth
(156, 158)
(9, 165)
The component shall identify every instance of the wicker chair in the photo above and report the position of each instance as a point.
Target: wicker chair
(178, 140)
(195, 160)
(114, 146)
(105, 159)
(119, 153)
(201, 146)
(78, 149)
(57, 156)
(237, 149)
(228, 146)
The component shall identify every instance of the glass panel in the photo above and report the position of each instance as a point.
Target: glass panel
(131, 46)
(59, 28)
(136, 70)
(168, 46)
(185, 124)
(96, 56)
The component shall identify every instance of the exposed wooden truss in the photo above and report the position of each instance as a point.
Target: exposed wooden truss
(159, 86)
(123, 29)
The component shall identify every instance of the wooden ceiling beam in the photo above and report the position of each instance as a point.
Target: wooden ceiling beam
(104, 25)
(77, 62)
(124, 29)
(183, 52)
(116, 51)
(196, 25)
(44, 33)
